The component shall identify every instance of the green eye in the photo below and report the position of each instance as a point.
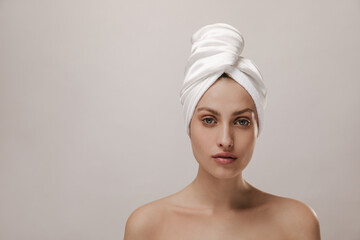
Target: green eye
(208, 120)
(243, 122)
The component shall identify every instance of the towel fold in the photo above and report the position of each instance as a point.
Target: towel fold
(215, 50)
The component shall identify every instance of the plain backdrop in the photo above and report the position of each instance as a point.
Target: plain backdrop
(91, 125)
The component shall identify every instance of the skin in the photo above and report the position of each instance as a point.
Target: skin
(219, 203)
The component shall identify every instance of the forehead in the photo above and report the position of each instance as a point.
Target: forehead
(226, 93)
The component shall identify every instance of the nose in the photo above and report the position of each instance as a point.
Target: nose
(225, 137)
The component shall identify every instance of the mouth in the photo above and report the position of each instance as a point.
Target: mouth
(225, 155)
(224, 158)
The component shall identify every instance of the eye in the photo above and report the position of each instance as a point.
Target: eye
(208, 121)
(243, 122)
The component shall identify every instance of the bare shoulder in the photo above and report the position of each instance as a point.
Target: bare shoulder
(298, 219)
(143, 220)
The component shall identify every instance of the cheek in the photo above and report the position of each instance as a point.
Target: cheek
(201, 140)
(246, 142)
(246, 147)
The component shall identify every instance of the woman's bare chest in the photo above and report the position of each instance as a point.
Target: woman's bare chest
(185, 225)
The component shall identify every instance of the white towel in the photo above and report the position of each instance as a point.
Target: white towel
(215, 50)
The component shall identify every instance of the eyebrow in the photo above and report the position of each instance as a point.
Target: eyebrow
(217, 113)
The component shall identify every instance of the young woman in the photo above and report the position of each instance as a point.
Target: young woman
(223, 99)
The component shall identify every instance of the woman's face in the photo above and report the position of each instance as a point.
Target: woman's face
(224, 121)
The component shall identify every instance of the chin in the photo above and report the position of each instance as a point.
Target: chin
(223, 172)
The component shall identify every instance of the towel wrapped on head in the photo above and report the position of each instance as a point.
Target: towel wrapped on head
(216, 50)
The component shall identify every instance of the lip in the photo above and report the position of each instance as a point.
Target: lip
(224, 155)
(224, 158)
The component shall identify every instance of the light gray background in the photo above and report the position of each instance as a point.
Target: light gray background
(91, 124)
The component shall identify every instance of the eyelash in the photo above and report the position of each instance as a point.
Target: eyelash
(237, 120)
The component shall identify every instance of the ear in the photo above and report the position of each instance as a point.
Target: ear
(257, 127)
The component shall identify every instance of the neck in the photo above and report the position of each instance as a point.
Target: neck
(218, 194)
